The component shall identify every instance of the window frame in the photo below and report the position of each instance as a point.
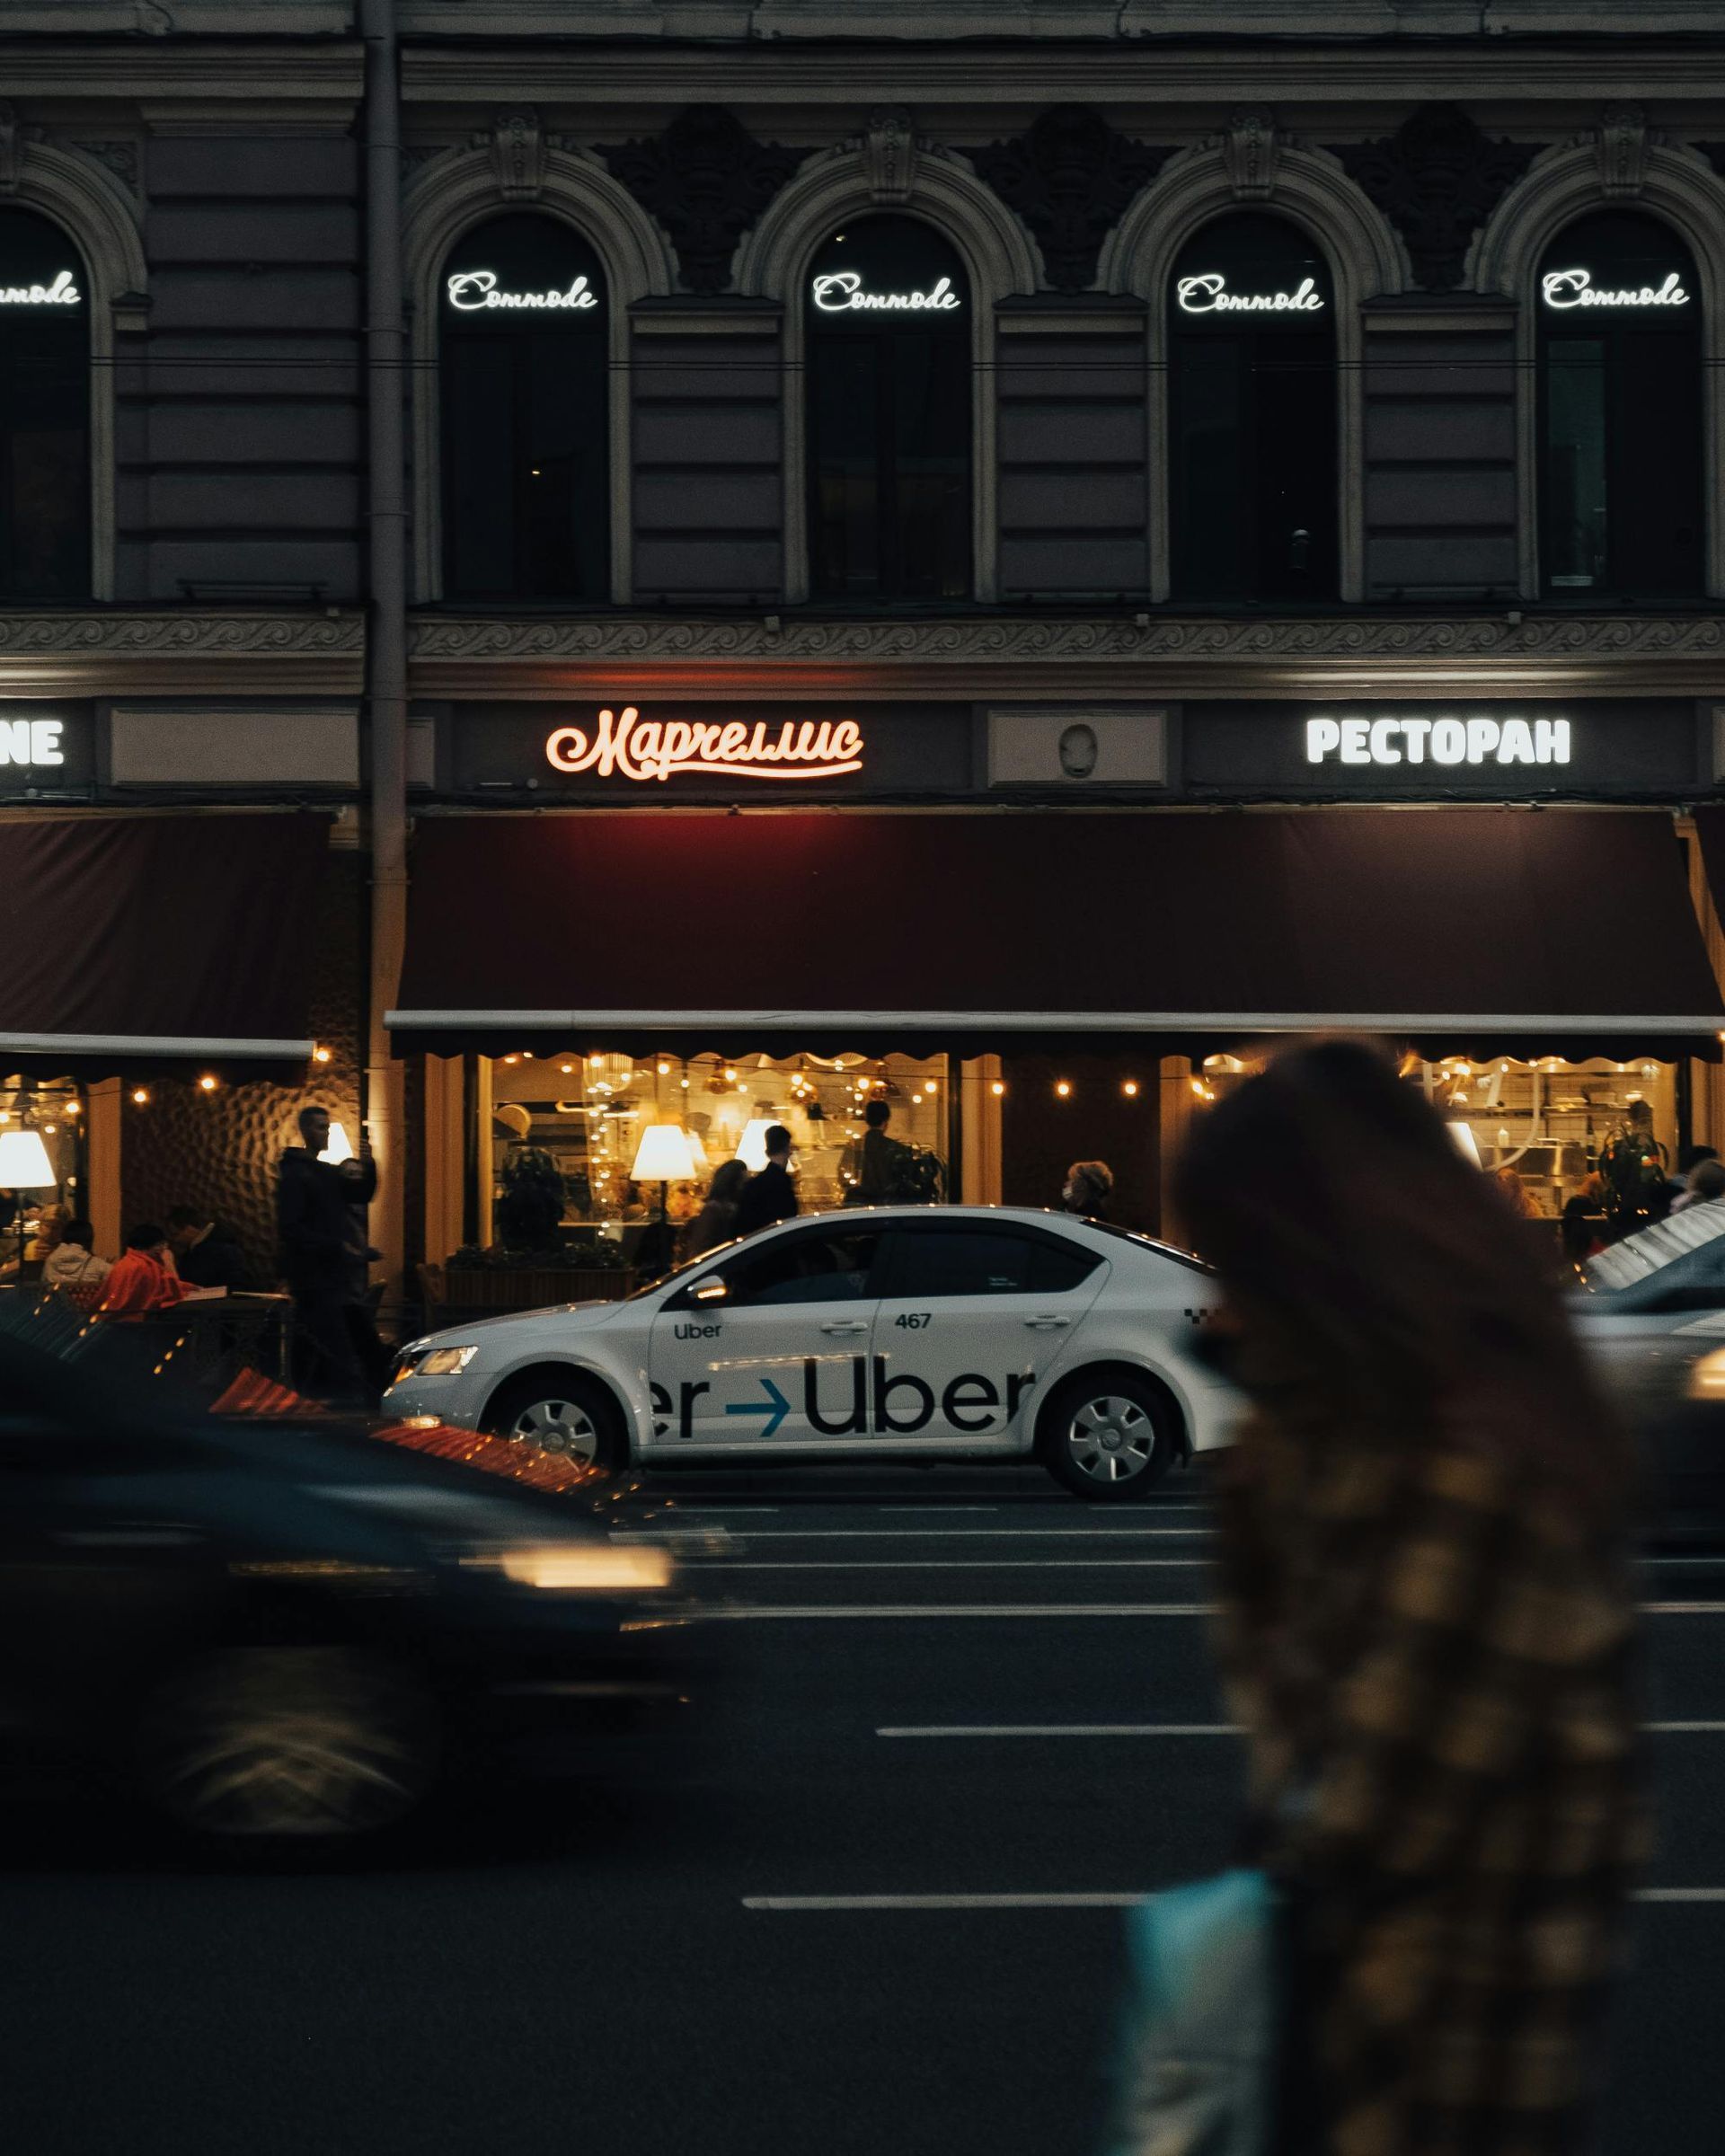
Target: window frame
(60, 251)
(887, 1266)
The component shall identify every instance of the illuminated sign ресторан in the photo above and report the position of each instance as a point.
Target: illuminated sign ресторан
(840, 292)
(1448, 741)
(625, 744)
(471, 291)
(1207, 294)
(31, 743)
(1567, 288)
(62, 293)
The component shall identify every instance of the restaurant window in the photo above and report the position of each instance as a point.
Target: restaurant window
(887, 308)
(525, 372)
(562, 1136)
(43, 1170)
(1252, 413)
(45, 401)
(1618, 305)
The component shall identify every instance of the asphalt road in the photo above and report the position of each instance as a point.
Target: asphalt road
(956, 1709)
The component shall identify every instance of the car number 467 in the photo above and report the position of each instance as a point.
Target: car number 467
(915, 1320)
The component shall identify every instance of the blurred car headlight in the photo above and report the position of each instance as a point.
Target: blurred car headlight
(1707, 1376)
(587, 1567)
(444, 1362)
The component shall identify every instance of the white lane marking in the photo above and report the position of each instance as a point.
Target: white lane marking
(861, 1610)
(937, 1509)
(802, 1903)
(1068, 1729)
(728, 1511)
(956, 1564)
(954, 1534)
(1040, 1729)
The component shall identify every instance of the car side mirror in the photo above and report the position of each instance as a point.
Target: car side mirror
(712, 1290)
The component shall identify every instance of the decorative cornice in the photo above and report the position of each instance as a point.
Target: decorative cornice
(1436, 179)
(122, 653)
(705, 179)
(1069, 176)
(1162, 655)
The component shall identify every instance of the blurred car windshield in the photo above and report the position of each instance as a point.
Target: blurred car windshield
(1689, 1247)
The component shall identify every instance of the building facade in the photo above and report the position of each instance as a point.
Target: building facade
(999, 558)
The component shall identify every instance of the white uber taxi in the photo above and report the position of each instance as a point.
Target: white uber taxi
(959, 1332)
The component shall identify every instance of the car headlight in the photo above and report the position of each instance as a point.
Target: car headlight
(1707, 1376)
(585, 1567)
(444, 1362)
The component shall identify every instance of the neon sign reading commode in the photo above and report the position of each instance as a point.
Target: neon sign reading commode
(843, 292)
(473, 291)
(1206, 293)
(1567, 288)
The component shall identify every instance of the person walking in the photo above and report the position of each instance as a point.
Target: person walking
(1088, 1186)
(325, 1261)
(716, 1222)
(771, 1195)
(1426, 1621)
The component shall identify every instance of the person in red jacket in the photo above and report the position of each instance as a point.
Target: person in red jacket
(143, 1278)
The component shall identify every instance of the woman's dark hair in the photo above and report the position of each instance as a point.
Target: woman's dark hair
(79, 1232)
(728, 1180)
(1385, 1273)
(145, 1236)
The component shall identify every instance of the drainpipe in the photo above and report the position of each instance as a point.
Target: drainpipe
(386, 640)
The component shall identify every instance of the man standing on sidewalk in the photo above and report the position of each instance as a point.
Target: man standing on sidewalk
(320, 1221)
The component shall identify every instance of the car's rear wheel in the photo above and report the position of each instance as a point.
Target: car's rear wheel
(1107, 1436)
(555, 1412)
(321, 1741)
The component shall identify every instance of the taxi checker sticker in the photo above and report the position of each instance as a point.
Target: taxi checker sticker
(876, 1404)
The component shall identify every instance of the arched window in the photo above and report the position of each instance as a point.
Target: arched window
(525, 469)
(1251, 405)
(888, 309)
(44, 412)
(1618, 307)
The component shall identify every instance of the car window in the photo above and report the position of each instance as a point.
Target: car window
(935, 1261)
(819, 1265)
(1692, 1282)
(1056, 1267)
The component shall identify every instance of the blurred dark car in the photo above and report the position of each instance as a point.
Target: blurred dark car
(289, 1627)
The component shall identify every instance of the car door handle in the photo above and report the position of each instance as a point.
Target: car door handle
(1046, 1321)
(847, 1325)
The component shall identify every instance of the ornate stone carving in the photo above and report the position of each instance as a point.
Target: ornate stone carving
(517, 147)
(705, 179)
(1485, 637)
(889, 150)
(1249, 151)
(1069, 177)
(119, 157)
(183, 635)
(1622, 141)
(1436, 179)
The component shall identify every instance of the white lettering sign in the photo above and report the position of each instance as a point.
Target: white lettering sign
(840, 292)
(471, 291)
(1448, 741)
(32, 742)
(1565, 288)
(61, 293)
(652, 748)
(1208, 295)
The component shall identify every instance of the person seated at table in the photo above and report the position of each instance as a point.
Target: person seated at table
(143, 1278)
(206, 1251)
(73, 1262)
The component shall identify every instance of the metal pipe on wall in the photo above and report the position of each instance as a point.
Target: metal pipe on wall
(386, 642)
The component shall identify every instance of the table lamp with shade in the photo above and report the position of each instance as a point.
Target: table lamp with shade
(24, 1165)
(663, 1156)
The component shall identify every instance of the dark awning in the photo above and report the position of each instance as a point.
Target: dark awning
(1569, 932)
(126, 940)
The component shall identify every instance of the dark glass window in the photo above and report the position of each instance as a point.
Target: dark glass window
(1057, 1267)
(1251, 407)
(816, 1265)
(1619, 322)
(525, 468)
(45, 404)
(887, 308)
(935, 1261)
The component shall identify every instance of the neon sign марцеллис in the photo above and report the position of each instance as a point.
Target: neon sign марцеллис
(624, 745)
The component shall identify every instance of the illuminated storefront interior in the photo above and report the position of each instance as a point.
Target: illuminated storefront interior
(43, 1163)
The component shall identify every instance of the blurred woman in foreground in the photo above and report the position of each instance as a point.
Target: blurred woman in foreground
(1426, 1621)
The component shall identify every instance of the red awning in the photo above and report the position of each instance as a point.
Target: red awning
(127, 940)
(1568, 930)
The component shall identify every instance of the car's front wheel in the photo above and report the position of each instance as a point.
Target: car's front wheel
(1107, 1436)
(562, 1412)
(290, 1741)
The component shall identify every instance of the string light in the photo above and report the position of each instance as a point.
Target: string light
(1063, 1087)
(1130, 1089)
(74, 1107)
(140, 1098)
(930, 1086)
(664, 1070)
(206, 1084)
(320, 1055)
(998, 1085)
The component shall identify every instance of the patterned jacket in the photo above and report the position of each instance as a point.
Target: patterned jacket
(1434, 1668)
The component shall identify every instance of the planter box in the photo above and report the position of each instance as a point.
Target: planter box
(528, 1288)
